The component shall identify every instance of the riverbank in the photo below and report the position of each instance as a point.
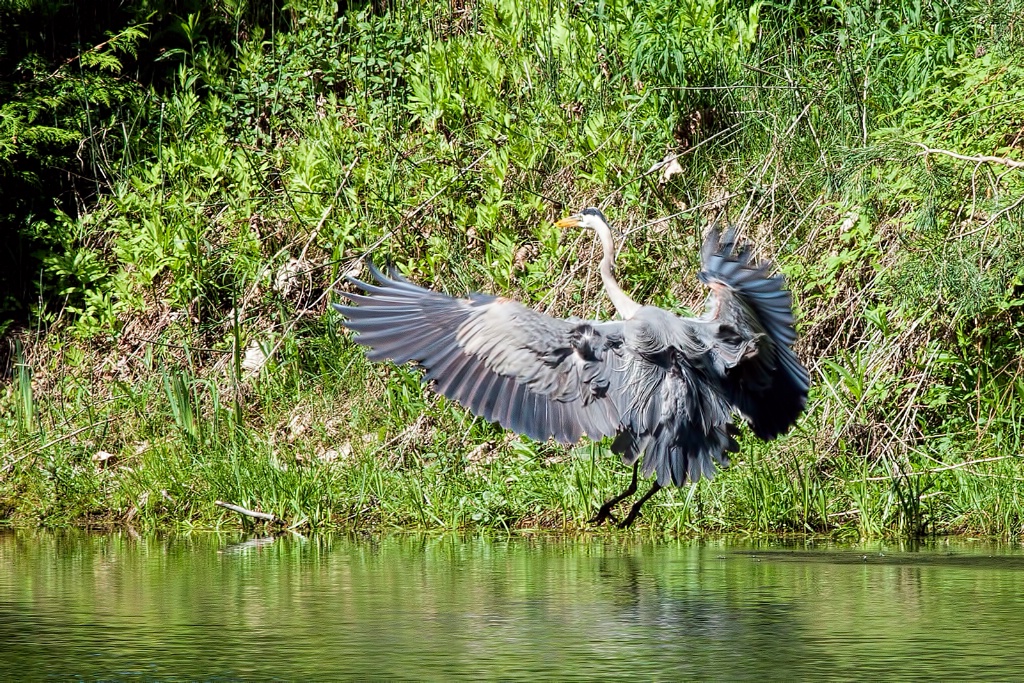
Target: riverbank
(182, 351)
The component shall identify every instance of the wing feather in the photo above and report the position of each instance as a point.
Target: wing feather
(532, 373)
(760, 375)
(448, 382)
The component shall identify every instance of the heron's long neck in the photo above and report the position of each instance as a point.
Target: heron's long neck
(625, 306)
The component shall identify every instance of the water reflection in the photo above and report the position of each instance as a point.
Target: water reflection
(201, 606)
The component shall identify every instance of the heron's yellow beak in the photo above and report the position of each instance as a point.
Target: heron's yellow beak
(570, 222)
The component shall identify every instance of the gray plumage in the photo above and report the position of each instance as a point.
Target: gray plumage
(666, 387)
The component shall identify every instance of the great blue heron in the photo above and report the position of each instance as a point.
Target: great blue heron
(665, 386)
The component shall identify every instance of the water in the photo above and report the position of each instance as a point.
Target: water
(210, 606)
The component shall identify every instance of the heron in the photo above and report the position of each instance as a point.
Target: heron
(666, 388)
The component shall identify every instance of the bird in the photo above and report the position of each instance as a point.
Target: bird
(666, 388)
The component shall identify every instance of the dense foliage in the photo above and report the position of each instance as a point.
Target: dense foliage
(243, 159)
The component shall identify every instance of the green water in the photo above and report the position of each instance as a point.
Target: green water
(213, 606)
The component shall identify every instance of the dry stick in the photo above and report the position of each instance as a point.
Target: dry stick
(992, 219)
(984, 240)
(409, 216)
(327, 210)
(305, 248)
(896, 439)
(810, 121)
(154, 342)
(974, 195)
(807, 215)
(665, 219)
(266, 516)
(978, 160)
(856, 511)
(926, 150)
(565, 277)
(625, 119)
(94, 48)
(69, 419)
(942, 469)
(904, 422)
(768, 161)
(850, 303)
(56, 441)
(850, 412)
(786, 78)
(547, 302)
(983, 431)
(588, 283)
(302, 255)
(944, 123)
(864, 100)
(987, 475)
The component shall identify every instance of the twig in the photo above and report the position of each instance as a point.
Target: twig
(983, 159)
(327, 210)
(183, 347)
(942, 469)
(991, 220)
(248, 513)
(94, 48)
(56, 441)
(769, 159)
(623, 122)
(759, 70)
(665, 219)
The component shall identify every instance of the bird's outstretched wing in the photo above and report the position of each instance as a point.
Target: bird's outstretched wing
(749, 318)
(529, 372)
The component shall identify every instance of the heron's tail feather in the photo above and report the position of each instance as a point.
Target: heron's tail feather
(686, 437)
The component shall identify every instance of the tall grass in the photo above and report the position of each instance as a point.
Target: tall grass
(193, 340)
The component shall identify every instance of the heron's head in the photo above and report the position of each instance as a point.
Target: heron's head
(591, 218)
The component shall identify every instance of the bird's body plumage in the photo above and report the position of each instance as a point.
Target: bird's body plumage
(665, 386)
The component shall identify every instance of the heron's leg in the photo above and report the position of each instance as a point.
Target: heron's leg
(606, 510)
(635, 510)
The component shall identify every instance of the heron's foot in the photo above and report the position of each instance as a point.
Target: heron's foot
(634, 512)
(606, 510)
(605, 513)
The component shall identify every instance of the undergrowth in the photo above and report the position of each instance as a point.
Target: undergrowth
(182, 351)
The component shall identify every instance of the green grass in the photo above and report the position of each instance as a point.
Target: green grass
(446, 139)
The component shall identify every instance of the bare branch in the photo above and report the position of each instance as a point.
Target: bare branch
(248, 513)
(15, 460)
(945, 468)
(926, 150)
